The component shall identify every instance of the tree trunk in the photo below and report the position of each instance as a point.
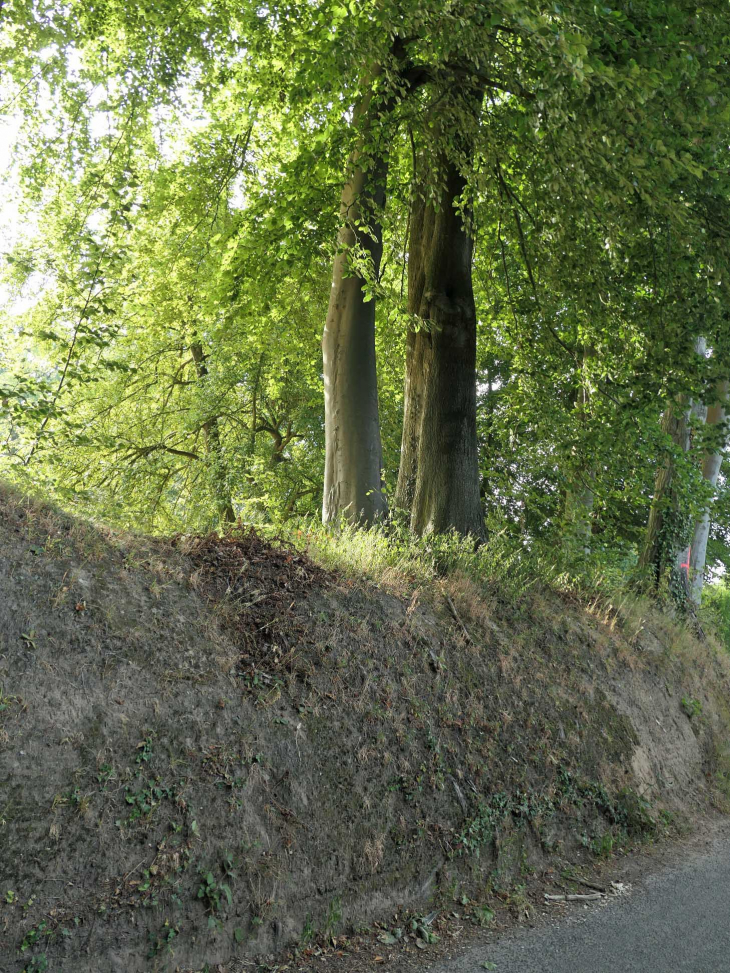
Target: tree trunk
(353, 454)
(667, 542)
(214, 448)
(422, 220)
(579, 496)
(711, 464)
(254, 406)
(579, 512)
(663, 542)
(439, 467)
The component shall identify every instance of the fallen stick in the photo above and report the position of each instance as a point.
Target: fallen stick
(591, 896)
(462, 626)
(459, 796)
(591, 885)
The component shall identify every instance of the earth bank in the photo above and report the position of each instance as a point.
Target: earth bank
(212, 750)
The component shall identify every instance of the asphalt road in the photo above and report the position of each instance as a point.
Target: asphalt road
(675, 921)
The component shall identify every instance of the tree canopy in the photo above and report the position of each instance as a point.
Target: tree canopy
(526, 209)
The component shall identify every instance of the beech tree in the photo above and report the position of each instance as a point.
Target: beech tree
(278, 257)
(438, 479)
(353, 458)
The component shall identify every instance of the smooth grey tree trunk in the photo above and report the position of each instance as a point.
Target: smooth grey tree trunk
(666, 548)
(353, 453)
(579, 502)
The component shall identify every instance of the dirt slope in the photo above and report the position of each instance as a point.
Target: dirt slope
(214, 750)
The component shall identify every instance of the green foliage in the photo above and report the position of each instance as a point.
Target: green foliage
(627, 811)
(34, 935)
(484, 916)
(145, 800)
(163, 940)
(36, 964)
(333, 918)
(692, 707)
(169, 273)
(214, 890)
(716, 610)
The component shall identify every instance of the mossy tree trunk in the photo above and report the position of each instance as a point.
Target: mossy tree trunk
(439, 476)
(664, 540)
(422, 219)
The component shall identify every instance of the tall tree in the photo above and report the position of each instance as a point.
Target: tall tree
(665, 530)
(711, 463)
(439, 476)
(353, 452)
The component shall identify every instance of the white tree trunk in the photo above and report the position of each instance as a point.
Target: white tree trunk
(696, 416)
(710, 471)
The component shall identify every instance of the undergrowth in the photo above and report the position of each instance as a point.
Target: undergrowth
(603, 582)
(627, 810)
(716, 611)
(391, 555)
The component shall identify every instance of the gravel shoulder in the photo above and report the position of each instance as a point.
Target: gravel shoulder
(673, 919)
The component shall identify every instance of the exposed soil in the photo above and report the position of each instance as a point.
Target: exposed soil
(212, 751)
(461, 934)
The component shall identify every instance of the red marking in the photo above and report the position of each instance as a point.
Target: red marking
(686, 565)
